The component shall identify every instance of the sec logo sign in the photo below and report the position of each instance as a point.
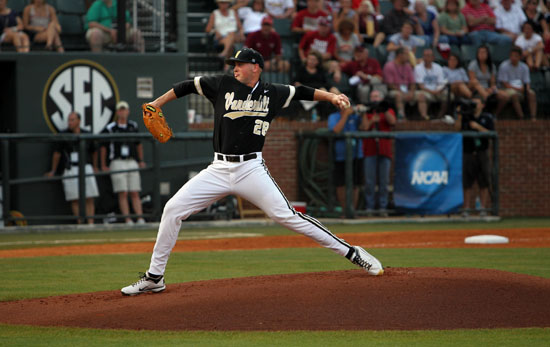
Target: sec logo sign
(82, 86)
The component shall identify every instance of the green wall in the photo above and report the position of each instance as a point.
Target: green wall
(34, 72)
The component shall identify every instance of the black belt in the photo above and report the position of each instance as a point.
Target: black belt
(236, 158)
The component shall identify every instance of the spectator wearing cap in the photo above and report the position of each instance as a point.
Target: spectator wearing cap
(365, 73)
(307, 19)
(123, 156)
(226, 26)
(268, 43)
(481, 24)
(323, 42)
(251, 16)
(280, 9)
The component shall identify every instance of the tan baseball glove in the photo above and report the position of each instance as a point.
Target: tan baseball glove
(156, 123)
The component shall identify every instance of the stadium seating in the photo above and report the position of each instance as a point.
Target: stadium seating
(74, 7)
(17, 5)
(385, 6)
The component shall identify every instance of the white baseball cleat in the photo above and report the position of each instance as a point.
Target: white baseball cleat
(145, 284)
(363, 259)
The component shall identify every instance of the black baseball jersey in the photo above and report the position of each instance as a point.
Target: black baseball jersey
(69, 150)
(241, 114)
(121, 149)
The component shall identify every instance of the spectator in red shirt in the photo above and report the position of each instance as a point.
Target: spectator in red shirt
(268, 43)
(307, 19)
(481, 24)
(365, 73)
(377, 152)
(324, 42)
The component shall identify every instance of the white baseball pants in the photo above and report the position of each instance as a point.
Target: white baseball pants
(251, 181)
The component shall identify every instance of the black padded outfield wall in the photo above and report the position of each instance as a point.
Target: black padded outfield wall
(42, 89)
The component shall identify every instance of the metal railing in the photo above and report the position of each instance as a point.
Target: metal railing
(330, 137)
(6, 140)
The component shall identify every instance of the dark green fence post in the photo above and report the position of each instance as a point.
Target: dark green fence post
(82, 179)
(495, 197)
(6, 180)
(349, 212)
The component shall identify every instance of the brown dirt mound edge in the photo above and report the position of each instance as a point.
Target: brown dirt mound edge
(402, 299)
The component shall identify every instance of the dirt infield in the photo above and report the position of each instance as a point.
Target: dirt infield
(519, 238)
(402, 299)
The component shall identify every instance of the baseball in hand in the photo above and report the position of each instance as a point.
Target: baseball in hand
(343, 103)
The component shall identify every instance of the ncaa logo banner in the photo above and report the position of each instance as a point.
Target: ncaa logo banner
(428, 173)
(83, 86)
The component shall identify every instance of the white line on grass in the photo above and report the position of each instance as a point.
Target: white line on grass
(123, 240)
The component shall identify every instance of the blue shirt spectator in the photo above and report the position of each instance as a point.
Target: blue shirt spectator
(352, 124)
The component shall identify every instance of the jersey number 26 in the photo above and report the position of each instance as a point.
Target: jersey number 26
(261, 127)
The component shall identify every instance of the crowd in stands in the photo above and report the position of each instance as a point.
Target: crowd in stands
(38, 23)
(338, 31)
(415, 53)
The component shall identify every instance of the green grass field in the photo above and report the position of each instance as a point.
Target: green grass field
(47, 276)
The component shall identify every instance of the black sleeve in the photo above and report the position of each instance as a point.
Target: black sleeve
(304, 93)
(184, 88)
(207, 86)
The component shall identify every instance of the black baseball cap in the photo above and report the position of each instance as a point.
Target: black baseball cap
(246, 55)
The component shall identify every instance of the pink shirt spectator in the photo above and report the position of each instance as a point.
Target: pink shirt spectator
(398, 74)
(482, 10)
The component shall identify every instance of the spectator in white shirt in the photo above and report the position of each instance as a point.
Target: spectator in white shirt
(514, 78)
(280, 9)
(509, 19)
(531, 45)
(251, 16)
(431, 81)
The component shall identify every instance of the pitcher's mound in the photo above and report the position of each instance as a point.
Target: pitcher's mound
(404, 298)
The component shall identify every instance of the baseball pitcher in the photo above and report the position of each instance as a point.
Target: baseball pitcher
(244, 108)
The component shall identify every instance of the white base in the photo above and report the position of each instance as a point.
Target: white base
(486, 239)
